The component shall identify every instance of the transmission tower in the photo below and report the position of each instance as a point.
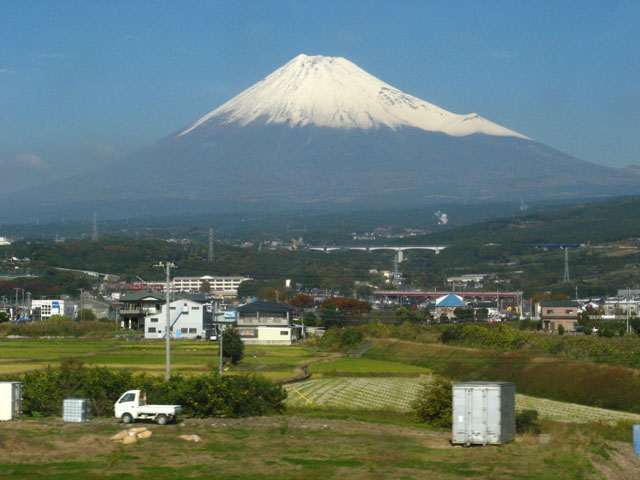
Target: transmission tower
(210, 257)
(566, 265)
(94, 234)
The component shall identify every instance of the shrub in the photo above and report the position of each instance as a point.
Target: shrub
(351, 337)
(560, 330)
(342, 339)
(199, 395)
(527, 421)
(434, 403)
(232, 345)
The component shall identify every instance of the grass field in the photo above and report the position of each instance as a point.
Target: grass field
(276, 362)
(299, 448)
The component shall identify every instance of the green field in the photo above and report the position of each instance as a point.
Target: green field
(301, 447)
(276, 362)
(351, 419)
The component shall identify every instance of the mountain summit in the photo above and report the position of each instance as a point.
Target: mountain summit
(334, 92)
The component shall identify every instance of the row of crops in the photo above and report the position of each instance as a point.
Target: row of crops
(394, 393)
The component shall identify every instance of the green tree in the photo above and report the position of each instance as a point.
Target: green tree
(560, 330)
(434, 404)
(87, 315)
(205, 287)
(330, 315)
(462, 313)
(310, 319)
(4, 317)
(232, 346)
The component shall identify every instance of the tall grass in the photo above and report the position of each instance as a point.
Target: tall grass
(564, 380)
(91, 329)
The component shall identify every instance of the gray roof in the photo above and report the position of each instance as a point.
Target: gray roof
(560, 303)
(264, 307)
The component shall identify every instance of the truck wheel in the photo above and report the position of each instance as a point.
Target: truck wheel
(127, 418)
(162, 419)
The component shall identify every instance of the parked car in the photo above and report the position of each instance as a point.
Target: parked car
(132, 405)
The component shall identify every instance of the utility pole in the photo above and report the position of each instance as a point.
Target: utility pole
(210, 258)
(167, 332)
(566, 265)
(94, 234)
(628, 301)
(221, 361)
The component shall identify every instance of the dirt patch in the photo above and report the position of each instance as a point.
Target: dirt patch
(621, 465)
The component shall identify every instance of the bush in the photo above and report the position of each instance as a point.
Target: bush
(232, 346)
(200, 395)
(434, 403)
(560, 330)
(342, 339)
(527, 421)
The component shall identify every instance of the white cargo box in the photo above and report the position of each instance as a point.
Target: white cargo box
(10, 400)
(484, 413)
(75, 410)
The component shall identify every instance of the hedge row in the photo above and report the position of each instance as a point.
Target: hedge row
(93, 329)
(201, 396)
(618, 351)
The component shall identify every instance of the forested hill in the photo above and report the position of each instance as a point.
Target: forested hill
(589, 223)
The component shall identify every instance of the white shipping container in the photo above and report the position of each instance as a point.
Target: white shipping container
(10, 400)
(484, 413)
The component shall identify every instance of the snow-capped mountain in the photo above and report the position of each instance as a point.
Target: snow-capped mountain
(321, 133)
(334, 92)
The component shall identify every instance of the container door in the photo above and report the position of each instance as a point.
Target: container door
(460, 414)
(478, 415)
(493, 415)
(16, 400)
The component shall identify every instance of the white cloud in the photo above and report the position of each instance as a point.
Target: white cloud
(30, 160)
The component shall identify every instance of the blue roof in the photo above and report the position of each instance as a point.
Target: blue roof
(451, 300)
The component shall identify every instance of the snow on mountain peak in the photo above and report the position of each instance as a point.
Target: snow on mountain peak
(334, 92)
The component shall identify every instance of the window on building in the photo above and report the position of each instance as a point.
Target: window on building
(151, 330)
(568, 312)
(195, 308)
(154, 320)
(172, 308)
(184, 330)
(193, 330)
(284, 332)
(549, 310)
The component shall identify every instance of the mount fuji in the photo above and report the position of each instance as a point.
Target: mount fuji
(320, 132)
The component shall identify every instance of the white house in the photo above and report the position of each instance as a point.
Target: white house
(264, 323)
(44, 309)
(189, 319)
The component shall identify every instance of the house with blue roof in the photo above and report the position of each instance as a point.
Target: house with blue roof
(447, 304)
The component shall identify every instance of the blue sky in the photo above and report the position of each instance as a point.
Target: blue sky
(83, 83)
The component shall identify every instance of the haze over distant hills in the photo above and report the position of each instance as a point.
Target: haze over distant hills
(321, 133)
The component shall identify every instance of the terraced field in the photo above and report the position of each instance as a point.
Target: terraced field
(397, 394)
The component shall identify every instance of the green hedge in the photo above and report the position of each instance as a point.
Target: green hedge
(200, 395)
(93, 329)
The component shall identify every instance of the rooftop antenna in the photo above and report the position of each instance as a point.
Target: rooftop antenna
(566, 265)
(94, 234)
(210, 257)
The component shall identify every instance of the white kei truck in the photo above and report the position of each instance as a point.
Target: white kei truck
(132, 405)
